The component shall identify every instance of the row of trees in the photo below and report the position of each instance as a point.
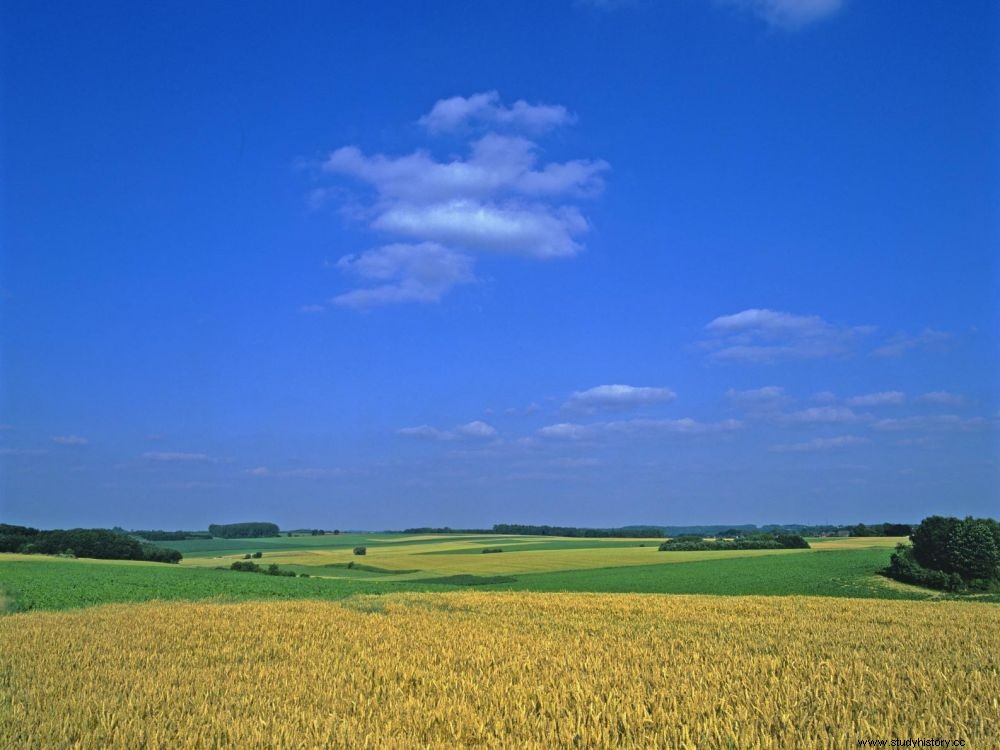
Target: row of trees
(654, 532)
(881, 529)
(102, 544)
(951, 554)
(695, 543)
(248, 530)
(156, 535)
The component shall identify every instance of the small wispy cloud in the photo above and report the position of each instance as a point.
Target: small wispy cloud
(409, 273)
(299, 473)
(820, 444)
(942, 397)
(762, 336)
(934, 422)
(617, 397)
(70, 440)
(789, 15)
(22, 451)
(823, 415)
(176, 456)
(902, 343)
(486, 109)
(883, 398)
(683, 426)
(470, 430)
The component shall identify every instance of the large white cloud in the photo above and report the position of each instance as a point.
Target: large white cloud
(499, 198)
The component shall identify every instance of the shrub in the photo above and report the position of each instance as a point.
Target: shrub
(245, 566)
(360, 550)
(489, 550)
(258, 555)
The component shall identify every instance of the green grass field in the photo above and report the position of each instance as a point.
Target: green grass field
(834, 567)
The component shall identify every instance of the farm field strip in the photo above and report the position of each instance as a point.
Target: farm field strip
(501, 670)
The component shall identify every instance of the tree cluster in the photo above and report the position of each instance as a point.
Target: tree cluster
(101, 544)
(881, 529)
(249, 530)
(694, 543)
(248, 566)
(155, 535)
(951, 554)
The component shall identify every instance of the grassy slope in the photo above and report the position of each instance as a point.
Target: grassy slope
(53, 583)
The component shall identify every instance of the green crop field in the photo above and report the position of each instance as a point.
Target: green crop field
(394, 563)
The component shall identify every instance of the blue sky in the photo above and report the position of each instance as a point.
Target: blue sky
(373, 265)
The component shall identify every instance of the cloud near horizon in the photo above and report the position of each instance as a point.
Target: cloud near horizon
(70, 440)
(683, 426)
(469, 430)
(820, 444)
(617, 397)
(499, 199)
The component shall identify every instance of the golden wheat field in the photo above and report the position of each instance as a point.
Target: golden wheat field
(501, 670)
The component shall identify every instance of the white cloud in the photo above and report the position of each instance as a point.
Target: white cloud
(486, 109)
(822, 415)
(303, 473)
(476, 429)
(883, 398)
(172, 456)
(902, 343)
(933, 423)
(22, 451)
(566, 431)
(415, 273)
(790, 14)
(820, 444)
(942, 397)
(70, 440)
(498, 199)
(470, 430)
(686, 426)
(536, 231)
(610, 397)
(765, 336)
(767, 397)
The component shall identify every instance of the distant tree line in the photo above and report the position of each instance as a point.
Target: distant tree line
(950, 554)
(102, 544)
(881, 529)
(643, 532)
(696, 543)
(155, 535)
(249, 530)
(654, 532)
